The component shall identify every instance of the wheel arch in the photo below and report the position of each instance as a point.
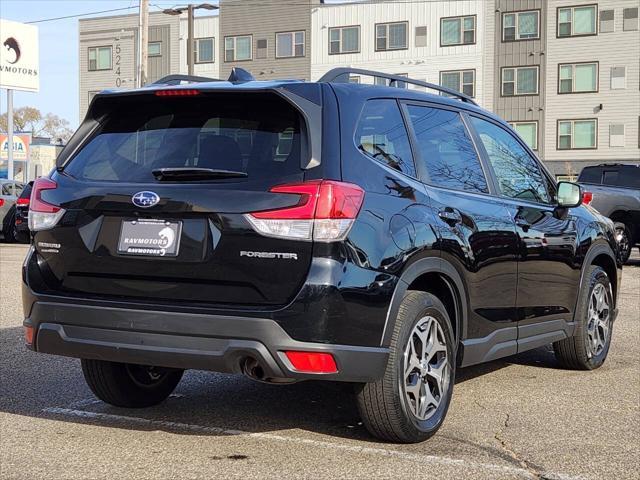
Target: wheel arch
(602, 256)
(438, 277)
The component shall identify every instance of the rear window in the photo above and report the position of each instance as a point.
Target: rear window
(258, 134)
(627, 176)
(590, 175)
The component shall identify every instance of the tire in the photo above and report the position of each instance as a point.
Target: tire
(7, 229)
(625, 243)
(127, 385)
(580, 352)
(388, 410)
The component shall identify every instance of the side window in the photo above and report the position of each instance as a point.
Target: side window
(446, 149)
(518, 173)
(382, 135)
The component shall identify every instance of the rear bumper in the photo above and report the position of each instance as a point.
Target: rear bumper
(187, 341)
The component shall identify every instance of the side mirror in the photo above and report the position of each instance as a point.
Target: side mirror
(569, 195)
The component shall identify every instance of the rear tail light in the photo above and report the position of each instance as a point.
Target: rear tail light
(312, 362)
(1, 202)
(22, 201)
(43, 215)
(29, 334)
(587, 197)
(325, 212)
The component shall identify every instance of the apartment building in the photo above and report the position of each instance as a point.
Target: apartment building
(592, 101)
(108, 51)
(565, 74)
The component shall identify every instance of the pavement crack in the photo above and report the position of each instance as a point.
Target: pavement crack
(535, 471)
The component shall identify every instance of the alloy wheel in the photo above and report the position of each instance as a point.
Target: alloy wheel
(426, 368)
(599, 321)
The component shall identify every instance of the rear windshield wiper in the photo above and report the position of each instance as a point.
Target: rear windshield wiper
(186, 174)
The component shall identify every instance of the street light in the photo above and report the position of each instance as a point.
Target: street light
(189, 9)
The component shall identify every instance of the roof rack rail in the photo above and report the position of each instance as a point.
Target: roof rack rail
(341, 74)
(178, 79)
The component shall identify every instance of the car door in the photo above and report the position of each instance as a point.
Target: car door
(548, 273)
(476, 233)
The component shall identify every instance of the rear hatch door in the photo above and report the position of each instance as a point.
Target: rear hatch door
(143, 221)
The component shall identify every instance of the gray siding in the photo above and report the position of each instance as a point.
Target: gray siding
(516, 54)
(263, 21)
(121, 34)
(159, 67)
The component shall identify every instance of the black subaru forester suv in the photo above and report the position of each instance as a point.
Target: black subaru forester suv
(293, 230)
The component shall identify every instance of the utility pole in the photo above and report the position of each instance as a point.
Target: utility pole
(143, 42)
(10, 134)
(190, 58)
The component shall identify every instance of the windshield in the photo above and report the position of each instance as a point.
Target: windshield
(258, 134)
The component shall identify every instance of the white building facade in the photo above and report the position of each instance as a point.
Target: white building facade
(565, 74)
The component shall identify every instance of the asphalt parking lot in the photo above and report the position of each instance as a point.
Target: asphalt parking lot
(522, 417)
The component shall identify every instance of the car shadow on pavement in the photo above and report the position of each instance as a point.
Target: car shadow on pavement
(39, 385)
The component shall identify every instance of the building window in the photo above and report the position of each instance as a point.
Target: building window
(154, 49)
(290, 44)
(344, 40)
(99, 58)
(528, 131)
(578, 78)
(618, 78)
(354, 79)
(237, 48)
(461, 80)
(607, 19)
(575, 21)
(421, 36)
(203, 50)
(261, 48)
(520, 26)
(616, 135)
(383, 82)
(457, 31)
(391, 36)
(630, 19)
(401, 84)
(577, 134)
(519, 81)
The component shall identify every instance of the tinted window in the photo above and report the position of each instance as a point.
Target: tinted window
(382, 135)
(630, 177)
(590, 175)
(446, 149)
(257, 134)
(518, 173)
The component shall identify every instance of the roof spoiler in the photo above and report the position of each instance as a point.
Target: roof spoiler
(341, 75)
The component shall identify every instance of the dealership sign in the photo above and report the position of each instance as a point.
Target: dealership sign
(20, 147)
(19, 56)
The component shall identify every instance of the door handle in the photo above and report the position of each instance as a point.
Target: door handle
(450, 215)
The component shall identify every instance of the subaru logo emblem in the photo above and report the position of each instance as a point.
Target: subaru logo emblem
(145, 199)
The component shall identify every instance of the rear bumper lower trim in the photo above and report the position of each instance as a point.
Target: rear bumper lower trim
(188, 341)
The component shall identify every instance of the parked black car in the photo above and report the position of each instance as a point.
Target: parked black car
(614, 190)
(325, 230)
(21, 225)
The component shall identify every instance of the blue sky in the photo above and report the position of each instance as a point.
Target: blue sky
(59, 49)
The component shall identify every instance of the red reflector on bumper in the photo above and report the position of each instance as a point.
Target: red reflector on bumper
(312, 362)
(29, 333)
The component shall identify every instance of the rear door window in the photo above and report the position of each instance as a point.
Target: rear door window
(382, 135)
(518, 173)
(590, 175)
(259, 134)
(446, 149)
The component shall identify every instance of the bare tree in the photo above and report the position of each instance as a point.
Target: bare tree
(30, 119)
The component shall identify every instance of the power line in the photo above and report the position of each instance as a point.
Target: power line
(80, 15)
(253, 3)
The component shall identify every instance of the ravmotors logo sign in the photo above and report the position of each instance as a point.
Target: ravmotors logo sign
(19, 57)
